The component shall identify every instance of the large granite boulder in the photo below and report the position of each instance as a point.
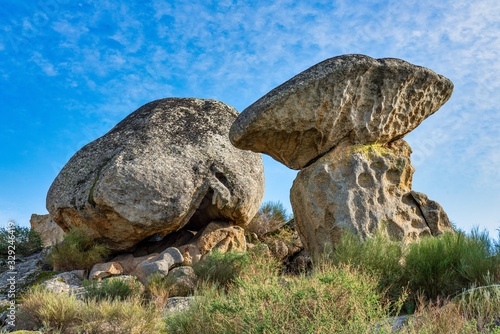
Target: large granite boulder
(50, 233)
(166, 166)
(352, 98)
(362, 188)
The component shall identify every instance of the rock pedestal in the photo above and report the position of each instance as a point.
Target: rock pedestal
(341, 122)
(362, 188)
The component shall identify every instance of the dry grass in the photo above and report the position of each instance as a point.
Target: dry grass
(64, 313)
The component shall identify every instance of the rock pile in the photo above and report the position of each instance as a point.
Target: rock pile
(341, 122)
(168, 165)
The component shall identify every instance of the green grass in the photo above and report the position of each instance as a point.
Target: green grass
(77, 251)
(221, 268)
(112, 288)
(351, 289)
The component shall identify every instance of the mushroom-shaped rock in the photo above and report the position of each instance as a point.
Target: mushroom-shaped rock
(166, 166)
(352, 98)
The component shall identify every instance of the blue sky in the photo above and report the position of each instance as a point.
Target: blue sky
(70, 70)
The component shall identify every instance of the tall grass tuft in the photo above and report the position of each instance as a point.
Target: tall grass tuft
(64, 313)
(78, 250)
(111, 288)
(221, 268)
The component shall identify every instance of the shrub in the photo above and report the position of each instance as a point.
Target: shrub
(77, 251)
(64, 313)
(26, 241)
(271, 216)
(111, 288)
(221, 268)
(159, 289)
(331, 300)
(447, 264)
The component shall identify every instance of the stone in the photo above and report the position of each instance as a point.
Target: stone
(64, 282)
(166, 166)
(178, 304)
(434, 214)
(352, 98)
(183, 280)
(50, 233)
(107, 269)
(221, 235)
(160, 264)
(26, 272)
(278, 248)
(361, 188)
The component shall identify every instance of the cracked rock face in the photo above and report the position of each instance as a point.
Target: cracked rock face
(352, 98)
(360, 188)
(167, 165)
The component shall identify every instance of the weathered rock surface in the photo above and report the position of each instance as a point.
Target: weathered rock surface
(221, 235)
(167, 165)
(183, 280)
(351, 98)
(49, 231)
(102, 270)
(65, 282)
(360, 188)
(160, 264)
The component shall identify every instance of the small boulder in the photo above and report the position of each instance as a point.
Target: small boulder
(183, 280)
(49, 231)
(221, 235)
(64, 282)
(107, 269)
(160, 264)
(352, 98)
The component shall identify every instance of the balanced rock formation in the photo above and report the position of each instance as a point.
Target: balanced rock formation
(166, 166)
(362, 188)
(351, 98)
(49, 231)
(341, 122)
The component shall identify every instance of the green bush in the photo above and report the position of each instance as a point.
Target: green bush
(111, 288)
(431, 267)
(25, 242)
(271, 216)
(221, 268)
(447, 264)
(77, 251)
(331, 300)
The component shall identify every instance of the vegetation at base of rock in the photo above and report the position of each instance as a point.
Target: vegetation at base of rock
(78, 250)
(26, 241)
(64, 313)
(270, 217)
(112, 288)
(221, 268)
(336, 297)
(432, 268)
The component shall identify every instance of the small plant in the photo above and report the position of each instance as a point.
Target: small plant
(26, 241)
(111, 288)
(271, 216)
(64, 313)
(221, 268)
(159, 289)
(77, 251)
